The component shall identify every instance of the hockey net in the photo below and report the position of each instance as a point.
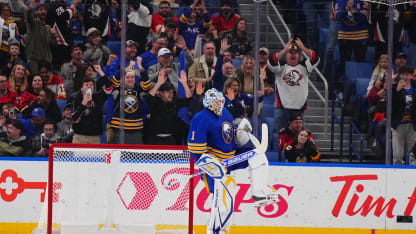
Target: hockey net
(118, 189)
(394, 2)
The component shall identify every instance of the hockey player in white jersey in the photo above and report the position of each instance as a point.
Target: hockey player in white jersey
(212, 139)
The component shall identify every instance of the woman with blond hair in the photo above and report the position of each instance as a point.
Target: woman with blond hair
(378, 73)
(18, 82)
(245, 75)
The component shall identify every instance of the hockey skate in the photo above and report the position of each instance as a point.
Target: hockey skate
(270, 197)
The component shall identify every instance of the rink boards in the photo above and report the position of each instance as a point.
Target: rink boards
(315, 198)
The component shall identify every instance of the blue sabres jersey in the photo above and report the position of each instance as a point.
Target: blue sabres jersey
(212, 134)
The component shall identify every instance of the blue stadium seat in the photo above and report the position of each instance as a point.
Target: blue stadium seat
(275, 142)
(337, 55)
(237, 63)
(269, 99)
(354, 70)
(371, 54)
(61, 105)
(272, 156)
(114, 46)
(267, 111)
(323, 35)
(361, 85)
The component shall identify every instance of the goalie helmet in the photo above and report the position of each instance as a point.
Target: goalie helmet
(214, 101)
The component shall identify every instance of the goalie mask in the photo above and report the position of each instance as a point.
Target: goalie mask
(214, 101)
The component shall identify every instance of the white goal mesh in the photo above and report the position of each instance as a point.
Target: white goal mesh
(387, 2)
(106, 189)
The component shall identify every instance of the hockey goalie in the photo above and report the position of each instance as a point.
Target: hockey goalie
(212, 140)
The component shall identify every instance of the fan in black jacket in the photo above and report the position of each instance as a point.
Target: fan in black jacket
(303, 149)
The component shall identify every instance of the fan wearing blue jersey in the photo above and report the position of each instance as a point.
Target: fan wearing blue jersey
(212, 139)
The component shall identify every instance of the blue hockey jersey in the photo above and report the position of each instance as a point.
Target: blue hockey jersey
(212, 134)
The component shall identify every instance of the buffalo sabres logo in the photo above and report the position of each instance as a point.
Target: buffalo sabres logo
(293, 78)
(95, 10)
(227, 132)
(130, 104)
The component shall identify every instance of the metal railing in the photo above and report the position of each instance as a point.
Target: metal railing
(352, 149)
(324, 98)
(340, 122)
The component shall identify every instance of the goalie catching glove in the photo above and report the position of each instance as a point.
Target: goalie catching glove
(243, 130)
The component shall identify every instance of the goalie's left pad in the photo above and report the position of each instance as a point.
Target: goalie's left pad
(211, 166)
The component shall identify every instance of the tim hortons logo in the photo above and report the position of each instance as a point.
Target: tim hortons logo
(380, 204)
(11, 186)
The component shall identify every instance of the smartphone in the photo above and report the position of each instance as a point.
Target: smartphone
(11, 112)
(88, 91)
(401, 79)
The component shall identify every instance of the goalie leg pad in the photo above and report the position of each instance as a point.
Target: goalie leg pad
(259, 169)
(222, 206)
(258, 160)
(211, 166)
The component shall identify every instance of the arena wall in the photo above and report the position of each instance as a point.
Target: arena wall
(315, 198)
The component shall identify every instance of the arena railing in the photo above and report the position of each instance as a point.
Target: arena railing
(359, 155)
(324, 98)
(339, 121)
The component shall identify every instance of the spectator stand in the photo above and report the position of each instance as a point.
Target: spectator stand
(267, 116)
(357, 77)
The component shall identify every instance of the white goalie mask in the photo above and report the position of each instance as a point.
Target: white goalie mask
(214, 101)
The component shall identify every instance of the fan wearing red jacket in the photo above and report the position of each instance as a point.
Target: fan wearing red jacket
(225, 19)
(288, 134)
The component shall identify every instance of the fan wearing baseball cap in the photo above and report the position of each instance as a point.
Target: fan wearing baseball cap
(291, 79)
(132, 62)
(291, 130)
(265, 74)
(13, 142)
(149, 57)
(164, 109)
(34, 125)
(165, 62)
(96, 52)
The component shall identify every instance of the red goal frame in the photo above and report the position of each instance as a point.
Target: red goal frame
(115, 146)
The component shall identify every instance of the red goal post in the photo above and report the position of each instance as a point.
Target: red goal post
(111, 187)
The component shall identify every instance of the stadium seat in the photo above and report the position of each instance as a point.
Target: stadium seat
(337, 55)
(274, 145)
(353, 70)
(371, 54)
(272, 156)
(323, 35)
(114, 46)
(61, 105)
(237, 63)
(269, 99)
(361, 85)
(267, 111)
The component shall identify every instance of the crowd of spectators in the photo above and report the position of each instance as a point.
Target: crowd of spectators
(60, 80)
(353, 29)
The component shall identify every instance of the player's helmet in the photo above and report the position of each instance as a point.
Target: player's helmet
(214, 101)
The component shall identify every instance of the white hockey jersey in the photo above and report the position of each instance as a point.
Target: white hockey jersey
(291, 82)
